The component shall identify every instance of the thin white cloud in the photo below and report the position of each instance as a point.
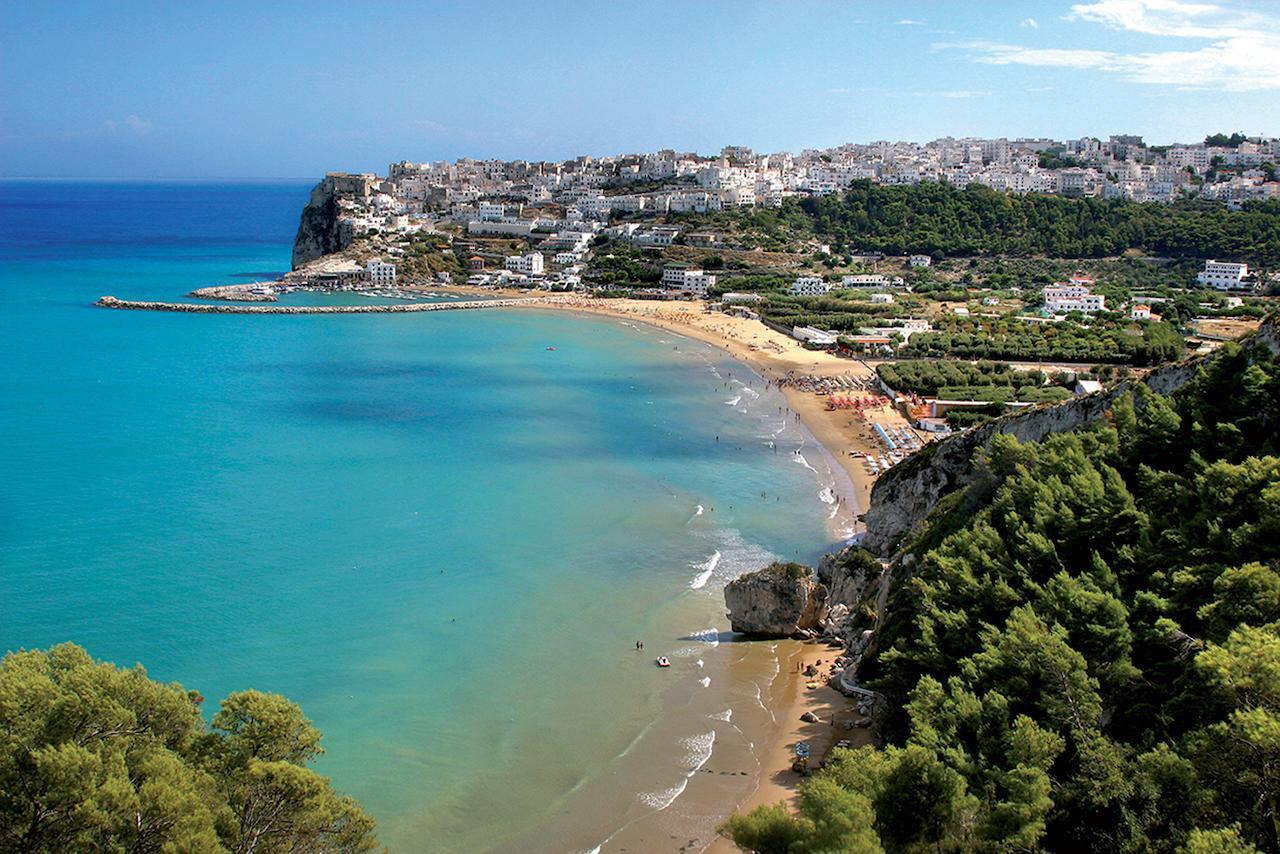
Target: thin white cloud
(1242, 53)
(1030, 23)
(131, 124)
(909, 22)
(1171, 18)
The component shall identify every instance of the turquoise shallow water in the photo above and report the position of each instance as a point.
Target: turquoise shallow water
(437, 536)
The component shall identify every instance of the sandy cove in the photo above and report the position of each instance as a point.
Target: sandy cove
(800, 694)
(772, 355)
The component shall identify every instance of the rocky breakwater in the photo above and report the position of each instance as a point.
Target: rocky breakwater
(781, 600)
(399, 308)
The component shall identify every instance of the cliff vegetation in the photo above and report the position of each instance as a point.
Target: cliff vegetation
(1082, 650)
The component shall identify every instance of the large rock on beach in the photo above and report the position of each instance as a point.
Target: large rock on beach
(781, 600)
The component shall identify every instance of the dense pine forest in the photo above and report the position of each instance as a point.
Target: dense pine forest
(940, 220)
(1082, 651)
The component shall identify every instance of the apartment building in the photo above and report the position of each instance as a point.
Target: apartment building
(1223, 275)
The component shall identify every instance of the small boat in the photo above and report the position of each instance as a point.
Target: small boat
(663, 662)
(551, 348)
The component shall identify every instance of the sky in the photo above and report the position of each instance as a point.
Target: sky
(292, 90)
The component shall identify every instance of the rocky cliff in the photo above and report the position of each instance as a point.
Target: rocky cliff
(903, 497)
(779, 601)
(318, 232)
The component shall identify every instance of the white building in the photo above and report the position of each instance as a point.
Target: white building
(919, 261)
(734, 298)
(882, 299)
(1223, 275)
(1084, 387)
(491, 211)
(530, 264)
(698, 283)
(1062, 298)
(867, 281)
(1139, 311)
(657, 236)
(681, 278)
(814, 337)
(516, 228)
(810, 286)
(381, 274)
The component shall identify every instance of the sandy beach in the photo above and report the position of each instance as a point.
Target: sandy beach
(773, 356)
(800, 694)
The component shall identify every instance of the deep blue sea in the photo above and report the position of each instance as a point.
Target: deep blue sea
(436, 535)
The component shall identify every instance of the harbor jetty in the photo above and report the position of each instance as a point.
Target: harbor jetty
(207, 308)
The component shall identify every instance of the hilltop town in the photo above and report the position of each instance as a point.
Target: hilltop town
(957, 247)
(1231, 169)
(671, 201)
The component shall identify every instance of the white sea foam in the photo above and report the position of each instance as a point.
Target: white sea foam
(697, 750)
(707, 636)
(827, 495)
(726, 716)
(663, 799)
(705, 569)
(706, 681)
(641, 734)
(800, 459)
(760, 702)
(699, 511)
(700, 664)
(733, 402)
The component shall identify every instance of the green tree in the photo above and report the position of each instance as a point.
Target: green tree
(94, 757)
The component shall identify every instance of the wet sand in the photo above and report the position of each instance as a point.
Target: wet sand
(796, 695)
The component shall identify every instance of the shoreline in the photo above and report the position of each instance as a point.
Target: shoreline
(772, 356)
(769, 353)
(835, 434)
(776, 782)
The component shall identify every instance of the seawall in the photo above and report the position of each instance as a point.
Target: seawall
(399, 308)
